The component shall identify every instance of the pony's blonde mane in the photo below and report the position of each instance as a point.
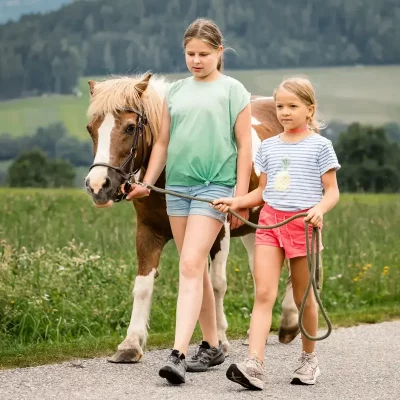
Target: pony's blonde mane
(120, 93)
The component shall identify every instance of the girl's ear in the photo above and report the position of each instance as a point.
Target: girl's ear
(311, 110)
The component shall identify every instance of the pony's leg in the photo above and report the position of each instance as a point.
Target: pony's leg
(219, 256)
(149, 246)
(248, 243)
(289, 327)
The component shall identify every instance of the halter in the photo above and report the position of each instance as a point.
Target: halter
(130, 158)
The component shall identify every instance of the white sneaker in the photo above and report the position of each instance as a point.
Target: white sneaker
(249, 374)
(307, 370)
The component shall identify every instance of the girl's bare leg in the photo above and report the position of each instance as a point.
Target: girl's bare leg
(268, 262)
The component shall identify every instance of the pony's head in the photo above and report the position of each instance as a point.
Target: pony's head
(125, 116)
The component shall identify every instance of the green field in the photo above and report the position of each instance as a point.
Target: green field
(67, 271)
(349, 94)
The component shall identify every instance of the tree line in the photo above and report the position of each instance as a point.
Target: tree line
(48, 53)
(53, 140)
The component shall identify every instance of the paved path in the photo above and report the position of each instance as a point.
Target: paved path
(357, 363)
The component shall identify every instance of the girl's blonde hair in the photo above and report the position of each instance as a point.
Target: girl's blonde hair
(304, 90)
(208, 31)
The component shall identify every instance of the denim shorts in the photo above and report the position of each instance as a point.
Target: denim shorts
(178, 207)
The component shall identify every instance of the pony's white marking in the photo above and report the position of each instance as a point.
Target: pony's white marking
(255, 145)
(98, 175)
(289, 308)
(137, 176)
(218, 280)
(248, 242)
(159, 84)
(142, 293)
(255, 121)
(263, 98)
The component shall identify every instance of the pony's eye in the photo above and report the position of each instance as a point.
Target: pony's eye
(89, 129)
(130, 128)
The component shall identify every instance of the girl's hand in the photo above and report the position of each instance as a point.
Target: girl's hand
(225, 204)
(136, 192)
(315, 216)
(235, 222)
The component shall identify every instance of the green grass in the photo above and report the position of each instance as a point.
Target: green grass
(67, 271)
(350, 94)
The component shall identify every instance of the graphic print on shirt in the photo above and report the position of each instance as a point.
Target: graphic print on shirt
(282, 179)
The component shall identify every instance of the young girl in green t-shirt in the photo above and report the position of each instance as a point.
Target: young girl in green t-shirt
(205, 144)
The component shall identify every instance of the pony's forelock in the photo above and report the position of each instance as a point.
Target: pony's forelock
(119, 93)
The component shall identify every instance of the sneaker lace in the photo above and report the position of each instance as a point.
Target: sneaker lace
(254, 365)
(203, 355)
(198, 353)
(174, 359)
(305, 362)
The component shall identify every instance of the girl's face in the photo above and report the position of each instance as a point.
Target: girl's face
(292, 113)
(201, 58)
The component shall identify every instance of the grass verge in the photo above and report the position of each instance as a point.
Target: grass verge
(47, 353)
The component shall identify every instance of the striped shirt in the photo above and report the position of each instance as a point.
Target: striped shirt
(294, 171)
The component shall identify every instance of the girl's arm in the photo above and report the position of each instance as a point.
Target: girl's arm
(329, 200)
(249, 200)
(158, 157)
(244, 158)
(242, 131)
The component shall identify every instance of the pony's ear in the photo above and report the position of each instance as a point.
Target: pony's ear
(92, 84)
(142, 85)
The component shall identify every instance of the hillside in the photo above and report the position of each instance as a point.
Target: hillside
(362, 94)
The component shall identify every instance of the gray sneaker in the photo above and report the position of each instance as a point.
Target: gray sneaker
(174, 370)
(205, 357)
(307, 370)
(249, 374)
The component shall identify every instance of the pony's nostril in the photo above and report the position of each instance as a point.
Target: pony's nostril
(89, 189)
(107, 183)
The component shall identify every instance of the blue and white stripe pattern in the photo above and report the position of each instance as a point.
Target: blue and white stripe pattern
(294, 171)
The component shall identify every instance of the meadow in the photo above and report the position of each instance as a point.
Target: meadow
(67, 272)
(349, 94)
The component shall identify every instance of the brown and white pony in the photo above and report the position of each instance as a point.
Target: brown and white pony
(113, 113)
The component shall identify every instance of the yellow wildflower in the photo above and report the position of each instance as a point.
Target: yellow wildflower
(237, 269)
(356, 279)
(12, 302)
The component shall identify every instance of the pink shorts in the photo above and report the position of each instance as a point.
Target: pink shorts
(291, 237)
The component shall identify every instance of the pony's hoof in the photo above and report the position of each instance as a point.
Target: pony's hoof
(225, 348)
(287, 335)
(126, 356)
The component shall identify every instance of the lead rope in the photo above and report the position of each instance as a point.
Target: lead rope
(312, 256)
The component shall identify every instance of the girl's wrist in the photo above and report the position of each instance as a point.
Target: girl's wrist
(145, 186)
(238, 200)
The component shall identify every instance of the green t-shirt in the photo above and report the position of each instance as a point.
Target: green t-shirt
(202, 147)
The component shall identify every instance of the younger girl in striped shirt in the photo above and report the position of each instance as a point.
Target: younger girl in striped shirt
(295, 167)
